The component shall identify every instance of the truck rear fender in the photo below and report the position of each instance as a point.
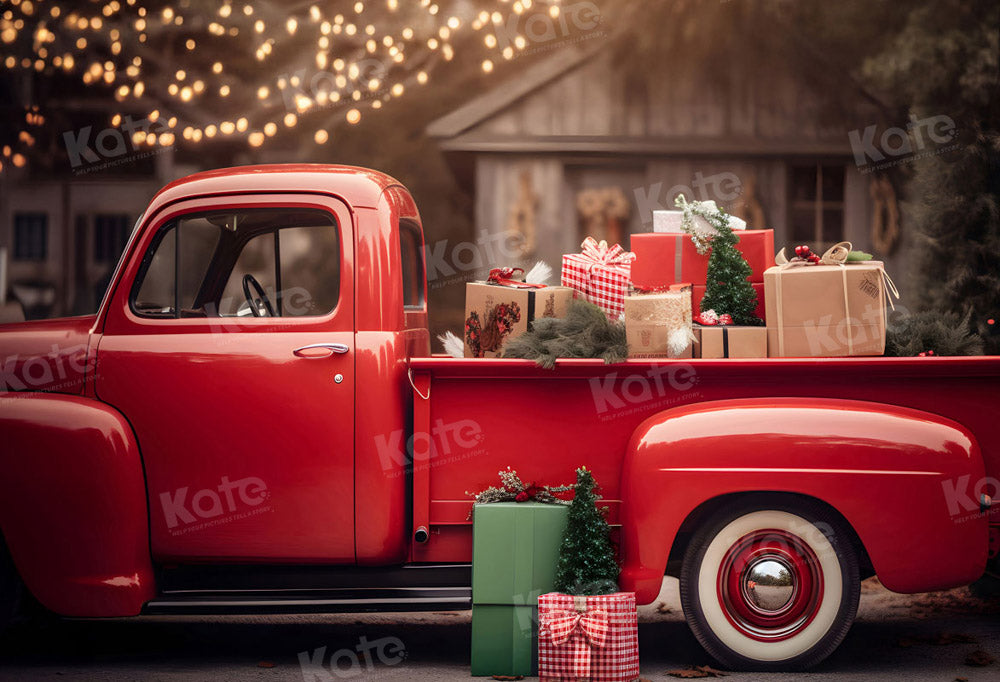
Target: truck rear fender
(903, 479)
(73, 504)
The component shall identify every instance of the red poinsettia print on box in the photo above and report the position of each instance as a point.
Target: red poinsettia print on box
(592, 638)
(601, 273)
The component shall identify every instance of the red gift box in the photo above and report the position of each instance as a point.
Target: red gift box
(601, 273)
(697, 293)
(594, 638)
(662, 259)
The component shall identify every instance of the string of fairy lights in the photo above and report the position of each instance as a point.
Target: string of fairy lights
(184, 67)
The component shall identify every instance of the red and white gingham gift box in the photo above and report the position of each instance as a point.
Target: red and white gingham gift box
(588, 638)
(601, 273)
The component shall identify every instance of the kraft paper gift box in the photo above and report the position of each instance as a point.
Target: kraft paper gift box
(591, 638)
(663, 259)
(503, 640)
(826, 310)
(653, 321)
(515, 550)
(601, 273)
(495, 314)
(698, 293)
(731, 341)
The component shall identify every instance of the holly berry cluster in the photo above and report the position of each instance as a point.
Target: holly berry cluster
(925, 354)
(513, 489)
(709, 318)
(804, 253)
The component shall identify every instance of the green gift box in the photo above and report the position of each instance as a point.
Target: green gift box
(515, 549)
(503, 640)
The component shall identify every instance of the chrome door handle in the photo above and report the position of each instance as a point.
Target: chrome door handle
(338, 348)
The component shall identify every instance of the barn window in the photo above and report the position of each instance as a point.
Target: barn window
(31, 236)
(111, 231)
(816, 211)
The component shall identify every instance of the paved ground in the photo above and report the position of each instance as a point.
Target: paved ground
(895, 638)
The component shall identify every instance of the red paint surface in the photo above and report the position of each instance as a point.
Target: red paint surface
(203, 404)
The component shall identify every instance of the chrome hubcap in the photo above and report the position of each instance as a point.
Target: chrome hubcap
(768, 584)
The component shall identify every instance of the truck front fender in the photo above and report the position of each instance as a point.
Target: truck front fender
(902, 478)
(73, 504)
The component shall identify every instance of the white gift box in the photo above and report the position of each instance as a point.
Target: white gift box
(670, 221)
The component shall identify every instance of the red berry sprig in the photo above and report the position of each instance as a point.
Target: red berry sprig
(803, 252)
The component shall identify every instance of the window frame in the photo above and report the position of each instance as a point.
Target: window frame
(29, 215)
(817, 205)
(412, 227)
(96, 219)
(174, 225)
(116, 316)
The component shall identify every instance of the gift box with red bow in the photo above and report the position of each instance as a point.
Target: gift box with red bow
(502, 308)
(593, 638)
(601, 273)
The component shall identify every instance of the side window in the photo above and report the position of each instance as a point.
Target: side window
(175, 270)
(412, 264)
(259, 262)
(256, 259)
(310, 270)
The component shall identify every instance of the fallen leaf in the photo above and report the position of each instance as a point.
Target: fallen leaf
(979, 659)
(661, 607)
(697, 671)
(265, 664)
(508, 677)
(961, 679)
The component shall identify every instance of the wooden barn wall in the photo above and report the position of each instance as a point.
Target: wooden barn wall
(599, 99)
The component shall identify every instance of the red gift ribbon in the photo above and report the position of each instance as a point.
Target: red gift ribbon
(502, 277)
(593, 625)
(599, 253)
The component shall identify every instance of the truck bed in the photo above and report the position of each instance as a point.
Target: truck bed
(546, 423)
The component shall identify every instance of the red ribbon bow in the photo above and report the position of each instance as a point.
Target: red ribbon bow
(599, 253)
(502, 277)
(593, 625)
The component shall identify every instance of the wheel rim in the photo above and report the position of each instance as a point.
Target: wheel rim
(770, 584)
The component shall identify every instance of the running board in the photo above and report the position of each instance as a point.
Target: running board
(352, 600)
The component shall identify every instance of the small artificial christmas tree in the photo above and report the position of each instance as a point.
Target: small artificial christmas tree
(727, 288)
(587, 564)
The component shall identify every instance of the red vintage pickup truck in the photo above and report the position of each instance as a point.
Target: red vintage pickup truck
(254, 422)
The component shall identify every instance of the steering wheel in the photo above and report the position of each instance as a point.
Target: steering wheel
(248, 281)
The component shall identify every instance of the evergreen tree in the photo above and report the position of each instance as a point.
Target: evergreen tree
(727, 287)
(587, 564)
(945, 62)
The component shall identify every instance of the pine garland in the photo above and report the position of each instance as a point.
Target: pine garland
(587, 564)
(585, 332)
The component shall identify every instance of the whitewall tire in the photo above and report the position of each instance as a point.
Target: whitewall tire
(770, 587)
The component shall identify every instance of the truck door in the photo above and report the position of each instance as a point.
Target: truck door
(229, 346)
